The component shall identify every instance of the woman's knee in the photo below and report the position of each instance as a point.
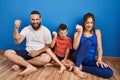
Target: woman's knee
(109, 73)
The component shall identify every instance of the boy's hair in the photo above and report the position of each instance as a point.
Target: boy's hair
(62, 27)
(35, 12)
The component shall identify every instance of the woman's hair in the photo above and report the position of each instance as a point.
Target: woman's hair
(88, 15)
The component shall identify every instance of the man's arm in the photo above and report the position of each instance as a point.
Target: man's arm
(37, 52)
(17, 37)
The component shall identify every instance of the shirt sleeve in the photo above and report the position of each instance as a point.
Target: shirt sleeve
(48, 37)
(23, 32)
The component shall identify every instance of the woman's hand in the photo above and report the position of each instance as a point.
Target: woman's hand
(102, 64)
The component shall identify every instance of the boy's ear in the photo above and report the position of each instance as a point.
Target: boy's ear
(67, 32)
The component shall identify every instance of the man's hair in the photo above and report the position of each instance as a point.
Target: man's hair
(35, 12)
(62, 27)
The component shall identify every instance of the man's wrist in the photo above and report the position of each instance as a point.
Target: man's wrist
(39, 51)
(17, 38)
(16, 27)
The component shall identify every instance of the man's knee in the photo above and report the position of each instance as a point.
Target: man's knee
(46, 58)
(7, 53)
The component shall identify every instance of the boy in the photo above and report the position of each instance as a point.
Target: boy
(62, 45)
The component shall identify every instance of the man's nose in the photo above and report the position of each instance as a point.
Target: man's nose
(35, 21)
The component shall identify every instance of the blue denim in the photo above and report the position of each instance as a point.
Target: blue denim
(89, 65)
(79, 55)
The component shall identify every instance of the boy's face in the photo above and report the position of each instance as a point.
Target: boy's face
(63, 33)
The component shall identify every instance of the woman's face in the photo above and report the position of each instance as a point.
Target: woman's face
(89, 24)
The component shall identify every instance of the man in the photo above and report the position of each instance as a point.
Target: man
(38, 39)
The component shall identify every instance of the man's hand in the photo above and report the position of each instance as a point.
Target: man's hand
(17, 23)
(79, 28)
(33, 53)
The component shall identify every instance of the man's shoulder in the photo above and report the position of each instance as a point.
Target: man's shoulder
(44, 28)
(27, 27)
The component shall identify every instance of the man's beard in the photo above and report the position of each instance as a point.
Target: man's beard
(36, 28)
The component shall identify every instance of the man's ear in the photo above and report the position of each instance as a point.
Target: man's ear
(40, 19)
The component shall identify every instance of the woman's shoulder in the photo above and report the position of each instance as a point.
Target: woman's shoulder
(97, 31)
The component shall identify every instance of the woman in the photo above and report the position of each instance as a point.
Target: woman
(87, 40)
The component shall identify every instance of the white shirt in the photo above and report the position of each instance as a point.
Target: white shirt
(36, 40)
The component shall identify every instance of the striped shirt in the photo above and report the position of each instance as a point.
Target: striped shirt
(62, 45)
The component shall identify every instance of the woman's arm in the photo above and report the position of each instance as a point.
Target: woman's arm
(77, 36)
(100, 51)
(99, 46)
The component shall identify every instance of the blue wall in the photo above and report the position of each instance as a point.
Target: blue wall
(54, 12)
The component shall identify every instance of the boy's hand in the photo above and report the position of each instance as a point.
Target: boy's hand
(17, 23)
(54, 34)
(79, 28)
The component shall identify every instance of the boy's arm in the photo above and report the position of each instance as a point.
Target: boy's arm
(44, 48)
(68, 49)
(53, 42)
(66, 54)
(54, 39)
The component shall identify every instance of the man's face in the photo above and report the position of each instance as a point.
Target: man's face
(35, 21)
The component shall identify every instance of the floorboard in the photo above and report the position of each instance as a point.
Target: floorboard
(50, 73)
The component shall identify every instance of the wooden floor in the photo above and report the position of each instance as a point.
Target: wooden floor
(49, 73)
